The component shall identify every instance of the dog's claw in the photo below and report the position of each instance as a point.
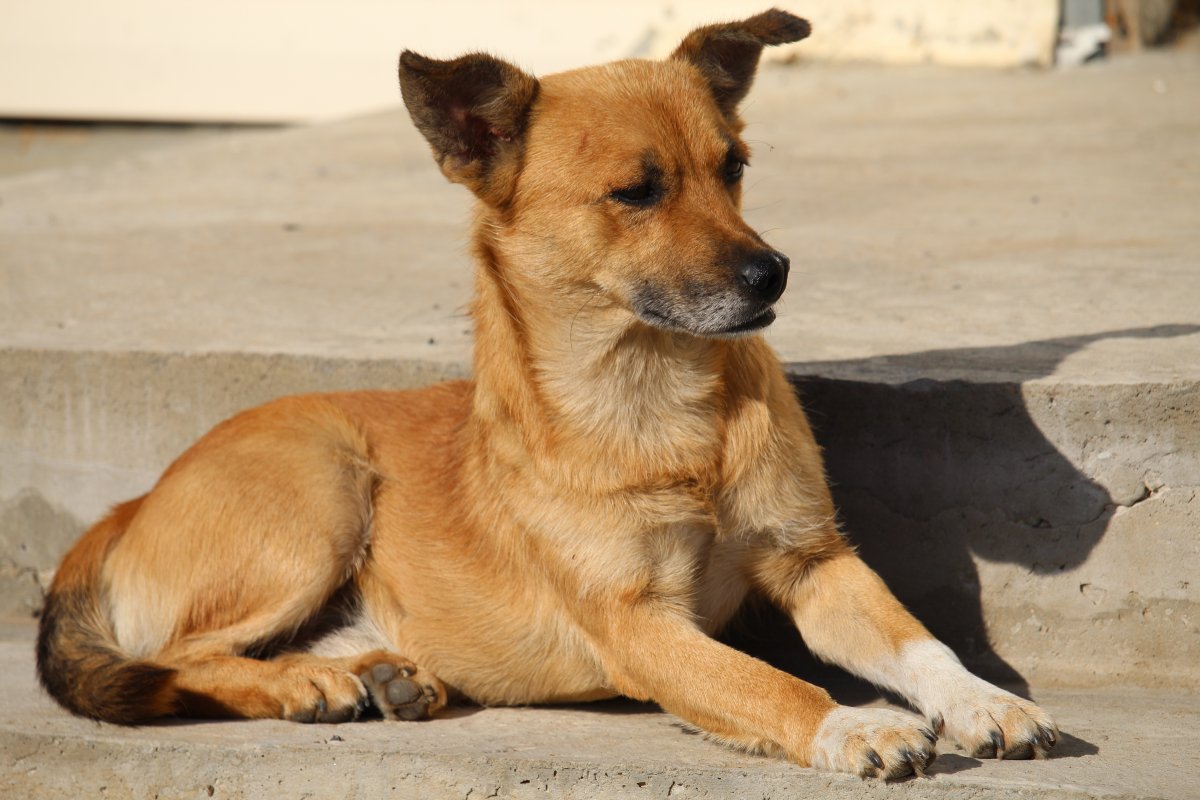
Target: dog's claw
(1043, 742)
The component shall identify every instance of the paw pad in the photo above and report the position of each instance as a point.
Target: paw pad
(400, 692)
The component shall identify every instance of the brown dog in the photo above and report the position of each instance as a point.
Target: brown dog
(628, 464)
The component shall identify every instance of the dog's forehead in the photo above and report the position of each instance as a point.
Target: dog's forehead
(630, 107)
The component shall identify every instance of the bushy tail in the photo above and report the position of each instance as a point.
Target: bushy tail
(78, 659)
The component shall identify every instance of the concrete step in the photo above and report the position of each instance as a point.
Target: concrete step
(1118, 743)
(994, 320)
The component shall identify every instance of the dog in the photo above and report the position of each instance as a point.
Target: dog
(628, 464)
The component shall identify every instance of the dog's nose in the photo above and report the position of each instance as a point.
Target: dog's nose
(765, 272)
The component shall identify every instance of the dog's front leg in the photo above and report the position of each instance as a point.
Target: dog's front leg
(650, 650)
(847, 616)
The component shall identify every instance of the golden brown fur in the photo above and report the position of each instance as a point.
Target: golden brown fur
(627, 465)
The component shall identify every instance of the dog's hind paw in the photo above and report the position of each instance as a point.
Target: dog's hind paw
(316, 693)
(400, 689)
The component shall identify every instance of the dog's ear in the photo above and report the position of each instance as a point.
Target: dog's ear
(727, 54)
(473, 111)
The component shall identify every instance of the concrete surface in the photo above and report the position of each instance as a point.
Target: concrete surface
(994, 319)
(33, 146)
(1115, 744)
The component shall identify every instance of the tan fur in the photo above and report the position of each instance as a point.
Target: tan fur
(574, 523)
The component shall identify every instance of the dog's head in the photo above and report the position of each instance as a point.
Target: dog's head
(616, 184)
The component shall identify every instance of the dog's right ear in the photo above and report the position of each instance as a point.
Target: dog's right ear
(473, 112)
(727, 54)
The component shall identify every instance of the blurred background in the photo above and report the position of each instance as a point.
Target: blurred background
(82, 82)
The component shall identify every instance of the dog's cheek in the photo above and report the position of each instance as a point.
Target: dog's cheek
(604, 249)
(641, 262)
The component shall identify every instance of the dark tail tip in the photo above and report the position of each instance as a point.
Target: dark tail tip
(80, 666)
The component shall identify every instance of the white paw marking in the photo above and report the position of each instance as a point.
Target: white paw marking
(985, 720)
(873, 742)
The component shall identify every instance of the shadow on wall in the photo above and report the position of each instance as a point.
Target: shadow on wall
(929, 473)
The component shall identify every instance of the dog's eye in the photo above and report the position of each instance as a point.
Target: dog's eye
(646, 193)
(734, 167)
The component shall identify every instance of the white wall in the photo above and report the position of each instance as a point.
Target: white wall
(279, 60)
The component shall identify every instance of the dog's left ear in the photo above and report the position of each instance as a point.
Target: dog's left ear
(473, 111)
(727, 54)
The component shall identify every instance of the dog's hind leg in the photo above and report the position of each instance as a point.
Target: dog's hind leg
(306, 688)
(243, 543)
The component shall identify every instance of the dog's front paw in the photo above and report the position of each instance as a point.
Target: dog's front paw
(873, 742)
(989, 722)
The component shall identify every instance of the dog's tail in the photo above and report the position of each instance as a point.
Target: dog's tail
(79, 661)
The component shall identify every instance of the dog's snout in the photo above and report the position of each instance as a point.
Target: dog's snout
(765, 273)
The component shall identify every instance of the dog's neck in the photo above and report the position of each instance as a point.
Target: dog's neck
(588, 394)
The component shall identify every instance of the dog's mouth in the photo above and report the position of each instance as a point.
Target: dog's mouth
(699, 310)
(658, 319)
(757, 323)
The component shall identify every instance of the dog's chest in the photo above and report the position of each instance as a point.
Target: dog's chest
(688, 565)
(685, 566)
(695, 568)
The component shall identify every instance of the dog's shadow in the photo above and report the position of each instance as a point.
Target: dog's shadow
(902, 450)
(948, 763)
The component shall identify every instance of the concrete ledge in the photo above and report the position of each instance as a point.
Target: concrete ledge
(1046, 527)
(1116, 744)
